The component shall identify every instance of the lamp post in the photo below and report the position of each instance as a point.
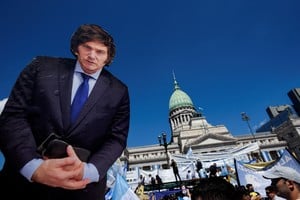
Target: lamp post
(246, 118)
(162, 139)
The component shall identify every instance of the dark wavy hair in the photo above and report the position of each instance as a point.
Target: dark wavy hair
(214, 188)
(92, 32)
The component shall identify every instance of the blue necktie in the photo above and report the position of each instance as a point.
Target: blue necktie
(80, 97)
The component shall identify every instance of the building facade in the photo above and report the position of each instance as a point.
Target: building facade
(191, 130)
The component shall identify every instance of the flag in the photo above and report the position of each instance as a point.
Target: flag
(109, 193)
(254, 174)
(248, 175)
(2, 104)
(189, 154)
(122, 191)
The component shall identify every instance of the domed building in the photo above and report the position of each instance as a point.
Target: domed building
(190, 130)
(181, 107)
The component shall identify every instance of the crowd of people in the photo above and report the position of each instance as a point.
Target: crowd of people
(285, 184)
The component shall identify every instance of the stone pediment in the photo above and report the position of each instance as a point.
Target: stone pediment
(210, 138)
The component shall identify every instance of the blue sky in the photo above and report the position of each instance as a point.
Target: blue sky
(228, 56)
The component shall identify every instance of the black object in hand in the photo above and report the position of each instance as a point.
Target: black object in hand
(53, 147)
(56, 149)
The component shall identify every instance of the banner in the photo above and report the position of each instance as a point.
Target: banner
(246, 173)
(229, 154)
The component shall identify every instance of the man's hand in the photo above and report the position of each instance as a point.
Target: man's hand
(77, 167)
(64, 172)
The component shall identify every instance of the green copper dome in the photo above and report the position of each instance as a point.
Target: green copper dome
(179, 98)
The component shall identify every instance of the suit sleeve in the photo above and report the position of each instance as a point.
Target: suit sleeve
(116, 141)
(16, 139)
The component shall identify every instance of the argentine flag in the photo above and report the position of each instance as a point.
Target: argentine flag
(2, 104)
(122, 191)
(189, 154)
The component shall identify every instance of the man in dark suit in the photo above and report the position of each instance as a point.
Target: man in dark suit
(41, 103)
(175, 170)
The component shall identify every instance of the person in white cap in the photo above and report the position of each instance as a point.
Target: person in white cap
(286, 180)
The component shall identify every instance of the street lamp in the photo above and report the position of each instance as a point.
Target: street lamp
(162, 139)
(246, 118)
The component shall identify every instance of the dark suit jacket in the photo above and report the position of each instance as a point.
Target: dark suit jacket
(39, 104)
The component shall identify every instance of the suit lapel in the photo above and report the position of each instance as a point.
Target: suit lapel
(66, 71)
(99, 89)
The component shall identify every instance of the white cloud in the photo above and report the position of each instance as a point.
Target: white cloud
(2, 104)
